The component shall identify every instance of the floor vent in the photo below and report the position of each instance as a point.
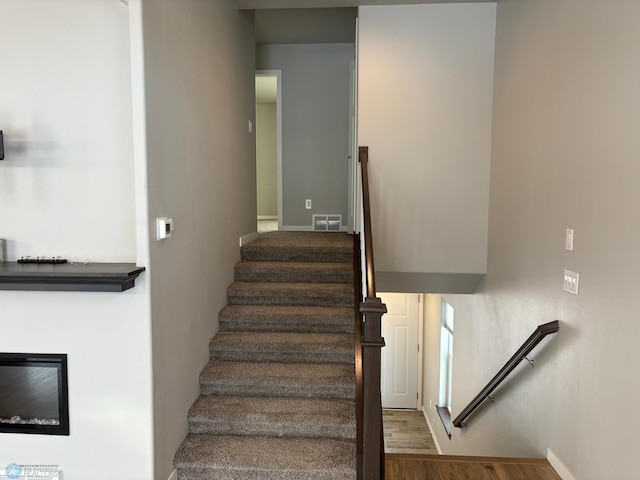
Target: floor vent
(327, 223)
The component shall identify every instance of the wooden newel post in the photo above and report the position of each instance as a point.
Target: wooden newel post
(372, 310)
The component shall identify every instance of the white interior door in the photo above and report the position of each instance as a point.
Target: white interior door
(400, 329)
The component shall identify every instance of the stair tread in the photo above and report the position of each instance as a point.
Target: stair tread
(324, 380)
(286, 457)
(294, 272)
(318, 417)
(300, 246)
(278, 287)
(287, 318)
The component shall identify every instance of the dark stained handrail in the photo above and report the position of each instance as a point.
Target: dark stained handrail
(371, 310)
(363, 158)
(536, 337)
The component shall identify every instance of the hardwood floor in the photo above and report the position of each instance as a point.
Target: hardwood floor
(445, 467)
(411, 454)
(406, 431)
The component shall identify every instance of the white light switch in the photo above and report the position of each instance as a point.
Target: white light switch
(568, 243)
(250, 126)
(164, 227)
(571, 280)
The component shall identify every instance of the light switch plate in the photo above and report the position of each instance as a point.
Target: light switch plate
(571, 281)
(568, 243)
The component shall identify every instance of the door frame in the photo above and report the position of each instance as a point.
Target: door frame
(278, 75)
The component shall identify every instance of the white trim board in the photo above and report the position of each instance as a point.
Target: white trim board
(435, 440)
(248, 238)
(559, 467)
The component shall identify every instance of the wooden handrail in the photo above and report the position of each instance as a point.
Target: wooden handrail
(363, 158)
(370, 443)
(536, 337)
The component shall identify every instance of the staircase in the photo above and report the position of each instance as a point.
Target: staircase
(277, 396)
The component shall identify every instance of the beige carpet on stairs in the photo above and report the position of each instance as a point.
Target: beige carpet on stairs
(277, 397)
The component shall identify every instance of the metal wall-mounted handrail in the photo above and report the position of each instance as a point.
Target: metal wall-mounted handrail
(527, 347)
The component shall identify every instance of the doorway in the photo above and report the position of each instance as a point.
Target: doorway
(268, 150)
(400, 357)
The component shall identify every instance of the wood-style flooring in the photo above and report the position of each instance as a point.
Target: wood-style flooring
(406, 431)
(411, 454)
(446, 467)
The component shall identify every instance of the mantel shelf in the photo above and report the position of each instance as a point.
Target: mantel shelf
(74, 277)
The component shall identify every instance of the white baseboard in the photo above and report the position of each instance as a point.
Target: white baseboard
(433, 435)
(248, 238)
(267, 217)
(559, 467)
(173, 476)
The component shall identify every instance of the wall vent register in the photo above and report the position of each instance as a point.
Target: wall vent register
(327, 223)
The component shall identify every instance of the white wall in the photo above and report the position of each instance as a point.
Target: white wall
(67, 188)
(200, 96)
(425, 84)
(565, 154)
(315, 127)
(267, 159)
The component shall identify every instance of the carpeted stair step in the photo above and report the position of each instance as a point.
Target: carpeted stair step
(215, 457)
(294, 272)
(266, 293)
(335, 380)
(269, 416)
(282, 347)
(274, 318)
(299, 247)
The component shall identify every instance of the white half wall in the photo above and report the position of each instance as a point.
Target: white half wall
(200, 96)
(67, 188)
(425, 85)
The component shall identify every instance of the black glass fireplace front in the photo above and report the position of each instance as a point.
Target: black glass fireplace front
(34, 393)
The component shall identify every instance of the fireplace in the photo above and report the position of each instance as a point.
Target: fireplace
(34, 393)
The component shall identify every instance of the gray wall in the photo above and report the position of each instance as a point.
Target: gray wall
(425, 86)
(199, 59)
(315, 127)
(565, 155)
(267, 159)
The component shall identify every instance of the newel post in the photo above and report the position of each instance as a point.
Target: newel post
(372, 310)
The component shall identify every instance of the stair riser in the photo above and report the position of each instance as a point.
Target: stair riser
(310, 356)
(258, 318)
(285, 390)
(295, 325)
(240, 474)
(316, 301)
(250, 427)
(292, 277)
(274, 255)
